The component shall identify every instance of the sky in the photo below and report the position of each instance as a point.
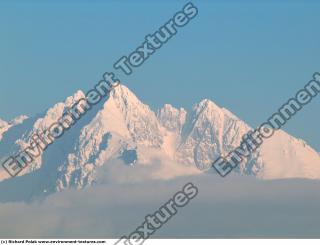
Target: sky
(247, 56)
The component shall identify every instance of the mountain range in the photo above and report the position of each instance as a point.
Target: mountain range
(124, 133)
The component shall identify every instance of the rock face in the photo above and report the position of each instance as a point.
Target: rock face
(123, 128)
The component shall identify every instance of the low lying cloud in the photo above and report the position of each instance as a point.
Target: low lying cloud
(232, 207)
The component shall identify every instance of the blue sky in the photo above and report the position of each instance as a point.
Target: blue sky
(247, 56)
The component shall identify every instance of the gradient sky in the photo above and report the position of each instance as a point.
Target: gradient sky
(247, 56)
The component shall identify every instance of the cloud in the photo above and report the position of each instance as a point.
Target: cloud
(231, 207)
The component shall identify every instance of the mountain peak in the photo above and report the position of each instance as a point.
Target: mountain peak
(19, 119)
(172, 118)
(208, 107)
(123, 94)
(71, 100)
(206, 104)
(171, 109)
(208, 110)
(15, 121)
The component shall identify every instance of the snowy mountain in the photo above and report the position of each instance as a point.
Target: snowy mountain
(124, 132)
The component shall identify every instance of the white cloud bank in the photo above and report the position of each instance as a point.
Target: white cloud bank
(231, 207)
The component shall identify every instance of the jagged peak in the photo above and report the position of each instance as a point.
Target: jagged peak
(123, 93)
(171, 117)
(71, 100)
(208, 109)
(206, 104)
(168, 108)
(19, 119)
(129, 103)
